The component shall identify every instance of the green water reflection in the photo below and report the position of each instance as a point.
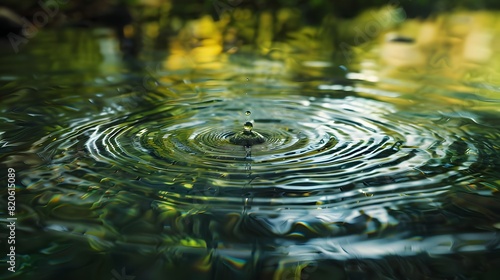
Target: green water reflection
(381, 149)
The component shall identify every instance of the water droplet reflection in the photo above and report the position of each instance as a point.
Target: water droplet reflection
(248, 127)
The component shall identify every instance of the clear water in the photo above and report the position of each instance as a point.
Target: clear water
(370, 169)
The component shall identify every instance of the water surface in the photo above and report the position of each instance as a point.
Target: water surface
(370, 166)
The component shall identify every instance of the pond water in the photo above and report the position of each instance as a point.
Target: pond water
(376, 162)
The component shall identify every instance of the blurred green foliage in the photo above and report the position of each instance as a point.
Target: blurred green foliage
(288, 25)
(311, 9)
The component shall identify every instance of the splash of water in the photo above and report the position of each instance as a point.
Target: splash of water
(247, 137)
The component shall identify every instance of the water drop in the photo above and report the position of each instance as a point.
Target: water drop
(248, 113)
(248, 126)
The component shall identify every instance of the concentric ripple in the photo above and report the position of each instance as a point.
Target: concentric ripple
(335, 179)
(325, 151)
